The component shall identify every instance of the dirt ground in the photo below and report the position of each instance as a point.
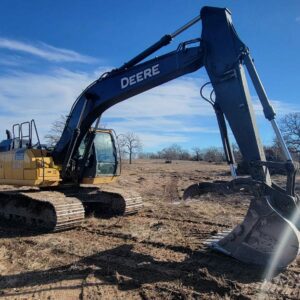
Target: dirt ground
(158, 253)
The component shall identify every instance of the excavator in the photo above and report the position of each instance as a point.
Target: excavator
(86, 154)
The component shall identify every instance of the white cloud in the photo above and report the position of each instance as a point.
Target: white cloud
(43, 97)
(161, 131)
(161, 124)
(11, 60)
(165, 114)
(178, 97)
(171, 113)
(281, 108)
(151, 141)
(45, 51)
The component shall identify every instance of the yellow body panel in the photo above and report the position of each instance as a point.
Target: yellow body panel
(31, 167)
(35, 167)
(28, 167)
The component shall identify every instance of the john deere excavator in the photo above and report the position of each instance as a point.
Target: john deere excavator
(85, 154)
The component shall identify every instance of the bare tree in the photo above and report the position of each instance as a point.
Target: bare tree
(213, 154)
(174, 152)
(274, 152)
(56, 130)
(236, 152)
(146, 155)
(290, 127)
(198, 153)
(171, 152)
(130, 144)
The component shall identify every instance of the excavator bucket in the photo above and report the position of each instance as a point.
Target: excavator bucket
(264, 237)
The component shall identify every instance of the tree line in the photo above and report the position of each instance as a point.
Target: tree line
(131, 145)
(176, 152)
(290, 128)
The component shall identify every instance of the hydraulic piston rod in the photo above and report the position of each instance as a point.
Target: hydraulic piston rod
(267, 107)
(164, 41)
(186, 26)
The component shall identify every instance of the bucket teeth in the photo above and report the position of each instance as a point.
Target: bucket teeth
(264, 237)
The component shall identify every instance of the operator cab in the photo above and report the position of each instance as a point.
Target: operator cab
(103, 164)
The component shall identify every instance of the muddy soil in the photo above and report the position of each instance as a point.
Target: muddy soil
(157, 254)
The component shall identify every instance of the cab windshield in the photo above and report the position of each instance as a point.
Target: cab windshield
(105, 152)
(104, 147)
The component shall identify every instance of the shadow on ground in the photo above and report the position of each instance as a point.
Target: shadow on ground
(205, 272)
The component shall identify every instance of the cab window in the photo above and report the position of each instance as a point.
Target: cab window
(105, 150)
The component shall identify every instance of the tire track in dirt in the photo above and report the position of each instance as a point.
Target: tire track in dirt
(255, 289)
(196, 273)
(171, 190)
(189, 221)
(129, 237)
(120, 261)
(111, 265)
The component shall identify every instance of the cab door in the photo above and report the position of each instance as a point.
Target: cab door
(107, 154)
(103, 163)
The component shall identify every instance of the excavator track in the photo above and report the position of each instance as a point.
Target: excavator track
(64, 208)
(108, 200)
(41, 210)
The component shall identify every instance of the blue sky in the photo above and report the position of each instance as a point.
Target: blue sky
(51, 50)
